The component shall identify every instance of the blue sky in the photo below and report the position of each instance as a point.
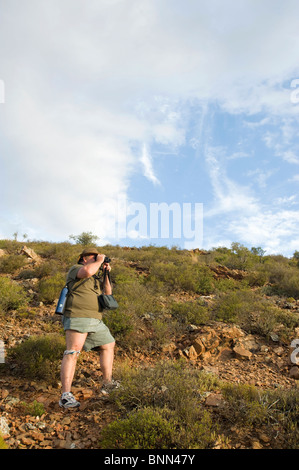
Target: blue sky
(149, 102)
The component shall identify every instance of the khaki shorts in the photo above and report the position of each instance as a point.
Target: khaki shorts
(98, 332)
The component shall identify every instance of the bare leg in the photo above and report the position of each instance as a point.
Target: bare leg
(106, 361)
(75, 342)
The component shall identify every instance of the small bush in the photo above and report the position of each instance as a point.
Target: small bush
(48, 268)
(246, 403)
(10, 264)
(34, 409)
(12, 295)
(119, 323)
(253, 313)
(158, 428)
(3, 444)
(38, 357)
(189, 277)
(283, 278)
(250, 407)
(169, 392)
(190, 312)
(164, 385)
(142, 429)
(49, 288)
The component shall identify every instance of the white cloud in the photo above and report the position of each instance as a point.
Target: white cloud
(269, 230)
(85, 81)
(229, 196)
(237, 215)
(147, 165)
(291, 200)
(261, 176)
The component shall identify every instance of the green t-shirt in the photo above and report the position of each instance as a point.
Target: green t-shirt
(83, 301)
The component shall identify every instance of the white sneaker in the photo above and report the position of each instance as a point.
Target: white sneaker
(68, 400)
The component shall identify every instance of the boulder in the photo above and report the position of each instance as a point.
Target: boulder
(199, 347)
(242, 353)
(30, 254)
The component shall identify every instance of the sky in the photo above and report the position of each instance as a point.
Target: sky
(149, 122)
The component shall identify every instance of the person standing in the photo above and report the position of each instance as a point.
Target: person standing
(83, 324)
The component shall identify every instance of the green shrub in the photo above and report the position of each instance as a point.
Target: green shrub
(3, 444)
(49, 268)
(37, 357)
(170, 392)
(64, 253)
(228, 284)
(142, 429)
(229, 307)
(190, 312)
(12, 295)
(252, 407)
(282, 277)
(135, 298)
(164, 385)
(34, 409)
(187, 276)
(49, 288)
(123, 274)
(119, 323)
(158, 428)
(253, 313)
(246, 403)
(10, 264)
(258, 276)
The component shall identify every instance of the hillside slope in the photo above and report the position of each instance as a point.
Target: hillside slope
(227, 316)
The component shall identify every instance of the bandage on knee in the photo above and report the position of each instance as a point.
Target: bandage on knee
(71, 351)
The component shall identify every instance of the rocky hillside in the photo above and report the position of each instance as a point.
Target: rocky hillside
(228, 316)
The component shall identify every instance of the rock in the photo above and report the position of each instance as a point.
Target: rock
(4, 393)
(210, 339)
(210, 369)
(255, 444)
(30, 254)
(4, 427)
(279, 350)
(242, 353)
(264, 438)
(249, 342)
(27, 441)
(294, 372)
(192, 354)
(274, 337)
(191, 328)
(169, 348)
(214, 399)
(198, 346)
(60, 443)
(223, 272)
(226, 354)
(38, 436)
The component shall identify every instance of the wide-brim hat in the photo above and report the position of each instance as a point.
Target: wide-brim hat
(89, 251)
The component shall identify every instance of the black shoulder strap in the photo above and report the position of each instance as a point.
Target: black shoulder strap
(78, 285)
(106, 274)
